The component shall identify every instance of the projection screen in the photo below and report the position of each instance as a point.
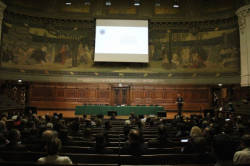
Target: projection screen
(121, 41)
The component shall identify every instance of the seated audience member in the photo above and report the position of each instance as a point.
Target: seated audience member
(3, 133)
(223, 151)
(53, 147)
(92, 121)
(100, 146)
(98, 122)
(132, 116)
(181, 130)
(126, 129)
(107, 125)
(113, 116)
(196, 145)
(243, 156)
(14, 144)
(134, 145)
(162, 141)
(87, 135)
(195, 132)
(74, 128)
(141, 127)
(47, 135)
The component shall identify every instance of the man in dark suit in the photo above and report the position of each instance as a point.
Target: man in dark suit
(179, 102)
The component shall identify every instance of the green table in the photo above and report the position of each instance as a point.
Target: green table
(121, 110)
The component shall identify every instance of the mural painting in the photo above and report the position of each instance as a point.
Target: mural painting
(39, 48)
(214, 51)
(71, 48)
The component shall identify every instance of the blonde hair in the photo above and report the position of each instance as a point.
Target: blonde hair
(195, 132)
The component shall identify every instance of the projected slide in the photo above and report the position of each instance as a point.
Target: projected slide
(121, 41)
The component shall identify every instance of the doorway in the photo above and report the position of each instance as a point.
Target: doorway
(120, 95)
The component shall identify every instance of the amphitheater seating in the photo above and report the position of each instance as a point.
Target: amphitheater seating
(81, 151)
(156, 159)
(35, 164)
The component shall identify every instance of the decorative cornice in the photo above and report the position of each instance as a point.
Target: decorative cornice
(242, 13)
(115, 77)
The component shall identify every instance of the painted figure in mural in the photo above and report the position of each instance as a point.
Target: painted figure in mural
(7, 55)
(186, 57)
(151, 51)
(80, 54)
(164, 52)
(84, 55)
(176, 59)
(157, 52)
(87, 54)
(228, 56)
(39, 55)
(63, 55)
(198, 58)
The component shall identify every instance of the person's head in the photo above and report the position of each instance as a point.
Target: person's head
(98, 122)
(127, 122)
(134, 136)
(141, 124)
(246, 140)
(2, 126)
(47, 135)
(222, 147)
(50, 125)
(54, 146)
(75, 126)
(14, 135)
(84, 116)
(162, 130)
(195, 132)
(132, 115)
(207, 132)
(108, 125)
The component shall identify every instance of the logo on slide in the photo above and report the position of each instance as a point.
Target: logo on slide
(102, 31)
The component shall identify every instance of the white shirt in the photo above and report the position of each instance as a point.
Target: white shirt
(242, 157)
(55, 159)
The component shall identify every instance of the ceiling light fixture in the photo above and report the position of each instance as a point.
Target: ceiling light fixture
(108, 3)
(176, 4)
(157, 3)
(87, 2)
(68, 3)
(137, 3)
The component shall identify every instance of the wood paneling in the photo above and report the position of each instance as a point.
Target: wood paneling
(52, 96)
(195, 97)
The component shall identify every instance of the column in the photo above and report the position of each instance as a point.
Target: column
(243, 14)
(2, 8)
